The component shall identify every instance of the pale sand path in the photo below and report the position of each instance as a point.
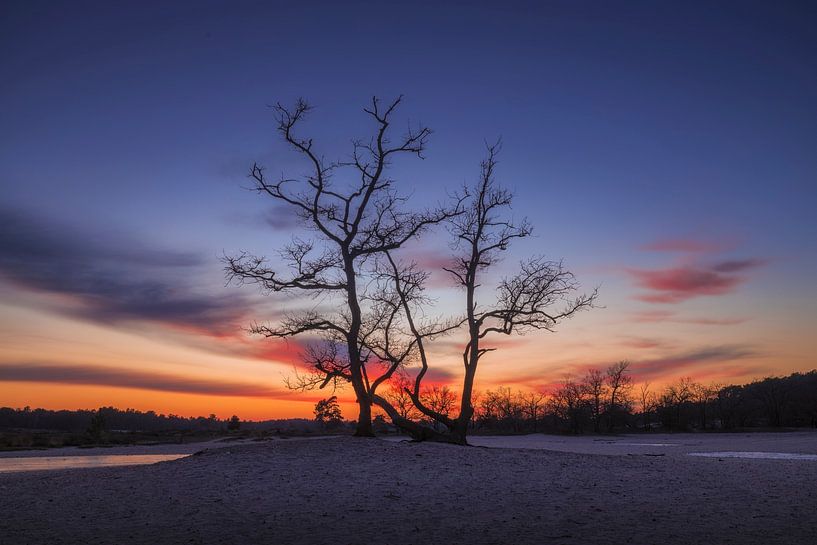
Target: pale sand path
(801, 442)
(348, 491)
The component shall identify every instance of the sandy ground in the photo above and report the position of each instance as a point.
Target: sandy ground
(356, 491)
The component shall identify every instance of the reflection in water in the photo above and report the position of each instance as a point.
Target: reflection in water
(757, 455)
(41, 463)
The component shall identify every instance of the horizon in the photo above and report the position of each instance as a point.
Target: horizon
(347, 408)
(664, 152)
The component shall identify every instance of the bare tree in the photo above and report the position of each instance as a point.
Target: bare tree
(441, 400)
(676, 395)
(703, 394)
(596, 386)
(523, 302)
(568, 401)
(352, 223)
(533, 405)
(619, 385)
(648, 402)
(398, 396)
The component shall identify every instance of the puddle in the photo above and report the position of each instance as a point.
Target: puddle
(757, 455)
(646, 444)
(45, 463)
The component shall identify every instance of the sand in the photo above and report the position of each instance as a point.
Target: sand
(356, 491)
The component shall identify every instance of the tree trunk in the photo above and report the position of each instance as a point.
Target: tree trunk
(364, 419)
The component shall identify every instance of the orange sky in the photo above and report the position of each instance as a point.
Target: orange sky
(51, 359)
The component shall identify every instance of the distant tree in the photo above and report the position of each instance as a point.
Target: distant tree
(234, 424)
(647, 402)
(533, 404)
(398, 396)
(703, 395)
(569, 402)
(439, 399)
(98, 426)
(596, 387)
(674, 398)
(774, 395)
(619, 385)
(327, 412)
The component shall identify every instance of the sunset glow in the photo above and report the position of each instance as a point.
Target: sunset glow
(678, 180)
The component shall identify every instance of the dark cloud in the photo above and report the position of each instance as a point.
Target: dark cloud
(282, 217)
(674, 364)
(738, 265)
(126, 378)
(279, 217)
(111, 279)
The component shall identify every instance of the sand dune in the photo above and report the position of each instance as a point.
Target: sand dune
(348, 491)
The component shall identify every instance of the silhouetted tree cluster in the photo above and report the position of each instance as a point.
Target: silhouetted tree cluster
(770, 402)
(607, 400)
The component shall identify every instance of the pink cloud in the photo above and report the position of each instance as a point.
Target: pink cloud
(680, 363)
(677, 284)
(95, 375)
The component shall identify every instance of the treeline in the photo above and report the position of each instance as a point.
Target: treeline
(608, 400)
(602, 401)
(109, 418)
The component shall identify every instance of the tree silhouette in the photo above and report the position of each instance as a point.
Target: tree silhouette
(619, 384)
(327, 411)
(352, 224)
(536, 297)
(234, 424)
(368, 326)
(596, 388)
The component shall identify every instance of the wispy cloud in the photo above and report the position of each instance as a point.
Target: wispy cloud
(642, 343)
(700, 363)
(278, 217)
(683, 362)
(129, 378)
(656, 316)
(685, 245)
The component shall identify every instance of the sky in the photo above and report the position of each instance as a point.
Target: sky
(664, 150)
